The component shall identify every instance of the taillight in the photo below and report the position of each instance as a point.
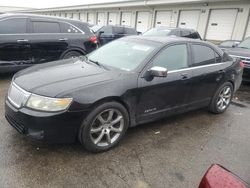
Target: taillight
(242, 65)
(93, 39)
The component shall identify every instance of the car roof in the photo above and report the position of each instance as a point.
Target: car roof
(121, 26)
(174, 28)
(10, 15)
(163, 39)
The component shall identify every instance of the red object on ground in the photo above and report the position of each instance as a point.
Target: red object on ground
(219, 177)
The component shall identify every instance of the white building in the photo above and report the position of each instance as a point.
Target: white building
(4, 9)
(214, 19)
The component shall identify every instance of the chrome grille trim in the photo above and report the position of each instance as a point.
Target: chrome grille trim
(17, 96)
(244, 59)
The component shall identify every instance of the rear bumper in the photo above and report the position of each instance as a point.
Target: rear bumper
(48, 127)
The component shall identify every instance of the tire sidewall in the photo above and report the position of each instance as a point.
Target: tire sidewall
(213, 106)
(71, 54)
(84, 132)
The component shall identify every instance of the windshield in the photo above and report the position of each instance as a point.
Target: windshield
(157, 32)
(95, 28)
(245, 43)
(125, 55)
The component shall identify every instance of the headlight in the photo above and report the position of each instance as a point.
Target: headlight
(48, 104)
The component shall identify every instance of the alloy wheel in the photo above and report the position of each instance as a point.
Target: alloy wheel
(107, 127)
(224, 98)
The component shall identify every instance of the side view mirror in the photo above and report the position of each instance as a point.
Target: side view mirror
(158, 71)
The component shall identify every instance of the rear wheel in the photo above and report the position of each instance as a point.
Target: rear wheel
(104, 127)
(222, 98)
(71, 54)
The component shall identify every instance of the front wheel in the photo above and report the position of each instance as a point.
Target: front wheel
(104, 127)
(222, 98)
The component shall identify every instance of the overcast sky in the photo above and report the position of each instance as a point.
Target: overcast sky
(49, 3)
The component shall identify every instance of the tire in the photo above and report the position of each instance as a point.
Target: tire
(71, 54)
(222, 98)
(94, 131)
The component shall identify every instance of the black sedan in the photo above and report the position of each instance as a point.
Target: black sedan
(127, 82)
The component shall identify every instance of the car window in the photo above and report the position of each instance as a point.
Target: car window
(245, 43)
(194, 35)
(46, 27)
(173, 58)
(203, 55)
(107, 29)
(218, 58)
(67, 28)
(118, 30)
(130, 31)
(13, 26)
(95, 28)
(185, 33)
(157, 32)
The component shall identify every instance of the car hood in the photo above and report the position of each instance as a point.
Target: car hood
(60, 77)
(238, 51)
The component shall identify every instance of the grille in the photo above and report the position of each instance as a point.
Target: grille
(16, 124)
(246, 60)
(17, 96)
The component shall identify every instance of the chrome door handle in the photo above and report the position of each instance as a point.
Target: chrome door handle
(22, 40)
(63, 39)
(221, 71)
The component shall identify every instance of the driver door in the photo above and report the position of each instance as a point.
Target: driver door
(162, 96)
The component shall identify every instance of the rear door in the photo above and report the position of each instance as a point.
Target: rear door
(47, 42)
(208, 73)
(14, 42)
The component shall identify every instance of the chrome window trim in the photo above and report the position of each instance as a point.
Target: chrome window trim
(197, 67)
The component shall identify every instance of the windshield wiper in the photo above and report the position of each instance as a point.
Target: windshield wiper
(95, 62)
(87, 60)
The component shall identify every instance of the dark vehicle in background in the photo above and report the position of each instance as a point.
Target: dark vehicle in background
(109, 33)
(242, 51)
(229, 44)
(129, 81)
(169, 31)
(27, 40)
